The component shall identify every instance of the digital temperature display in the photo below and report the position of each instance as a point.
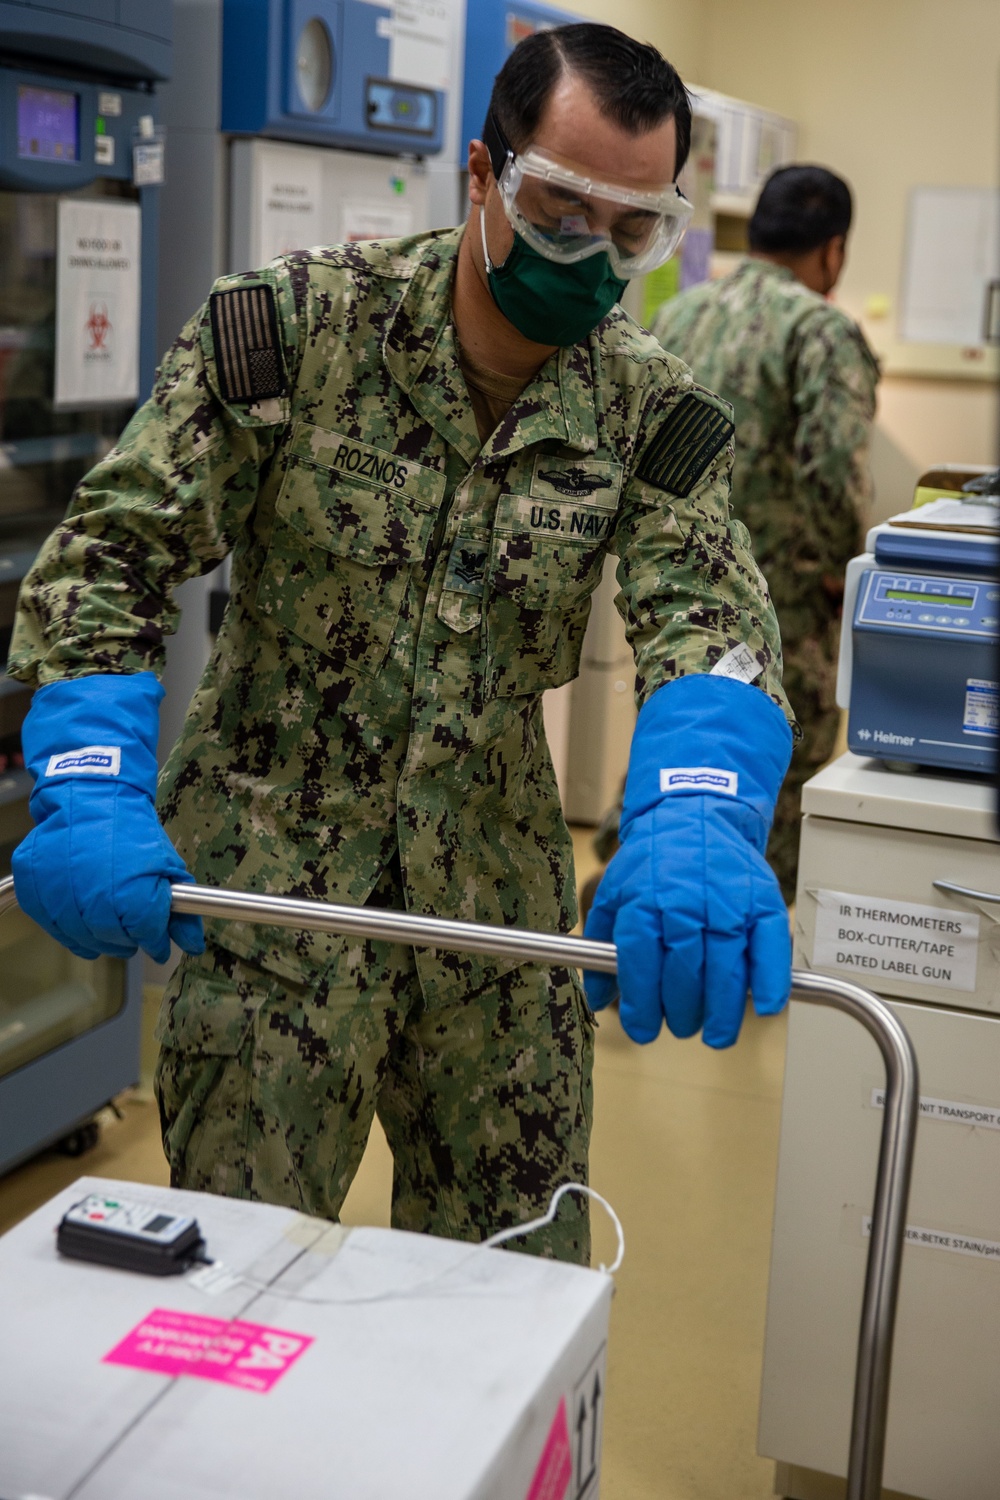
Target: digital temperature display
(914, 598)
(48, 125)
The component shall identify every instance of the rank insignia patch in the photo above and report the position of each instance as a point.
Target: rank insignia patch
(247, 349)
(467, 567)
(697, 428)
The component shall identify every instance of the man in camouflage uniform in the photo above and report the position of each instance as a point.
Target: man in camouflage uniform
(801, 380)
(416, 526)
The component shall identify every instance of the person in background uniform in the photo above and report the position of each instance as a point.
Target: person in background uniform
(801, 380)
(418, 453)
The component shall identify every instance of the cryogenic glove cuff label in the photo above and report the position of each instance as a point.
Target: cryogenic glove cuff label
(90, 760)
(739, 663)
(699, 779)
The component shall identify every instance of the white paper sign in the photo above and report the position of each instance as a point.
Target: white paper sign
(419, 42)
(97, 303)
(374, 221)
(952, 254)
(289, 187)
(878, 941)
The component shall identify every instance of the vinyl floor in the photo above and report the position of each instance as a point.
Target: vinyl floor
(685, 1148)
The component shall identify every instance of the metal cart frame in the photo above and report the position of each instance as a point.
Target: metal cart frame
(892, 1186)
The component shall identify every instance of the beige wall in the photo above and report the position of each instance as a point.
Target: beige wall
(677, 27)
(894, 94)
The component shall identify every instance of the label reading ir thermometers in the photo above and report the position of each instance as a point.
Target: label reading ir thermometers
(879, 941)
(981, 713)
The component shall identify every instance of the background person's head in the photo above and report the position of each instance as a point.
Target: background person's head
(801, 221)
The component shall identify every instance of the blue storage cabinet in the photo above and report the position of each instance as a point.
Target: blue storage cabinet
(77, 88)
(493, 29)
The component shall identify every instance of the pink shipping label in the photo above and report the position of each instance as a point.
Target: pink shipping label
(234, 1353)
(555, 1467)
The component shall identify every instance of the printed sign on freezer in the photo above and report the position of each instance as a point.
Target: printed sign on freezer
(97, 304)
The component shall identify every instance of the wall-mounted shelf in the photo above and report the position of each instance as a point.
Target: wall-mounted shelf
(934, 361)
(733, 205)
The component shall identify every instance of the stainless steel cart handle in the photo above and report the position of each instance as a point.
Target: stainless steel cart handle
(892, 1186)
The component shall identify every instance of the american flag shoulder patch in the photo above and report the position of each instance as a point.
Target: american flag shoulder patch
(684, 444)
(247, 346)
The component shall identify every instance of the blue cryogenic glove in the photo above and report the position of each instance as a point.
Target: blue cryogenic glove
(96, 869)
(689, 900)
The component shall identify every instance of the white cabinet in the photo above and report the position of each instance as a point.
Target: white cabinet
(885, 837)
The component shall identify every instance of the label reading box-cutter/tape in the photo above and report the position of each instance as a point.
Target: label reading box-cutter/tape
(879, 941)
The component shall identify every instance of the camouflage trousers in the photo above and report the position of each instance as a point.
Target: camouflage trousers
(267, 1090)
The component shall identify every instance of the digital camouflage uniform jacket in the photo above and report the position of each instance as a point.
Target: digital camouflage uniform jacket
(801, 380)
(400, 598)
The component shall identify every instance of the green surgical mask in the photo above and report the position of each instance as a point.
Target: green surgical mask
(548, 302)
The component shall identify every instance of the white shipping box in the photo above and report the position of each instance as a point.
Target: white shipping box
(353, 1364)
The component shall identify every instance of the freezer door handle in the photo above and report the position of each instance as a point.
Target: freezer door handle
(951, 888)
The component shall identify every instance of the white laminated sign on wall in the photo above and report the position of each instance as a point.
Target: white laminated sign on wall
(97, 303)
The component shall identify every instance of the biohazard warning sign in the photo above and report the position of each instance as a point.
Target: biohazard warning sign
(97, 304)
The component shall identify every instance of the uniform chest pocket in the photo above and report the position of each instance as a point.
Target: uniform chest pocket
(545, 562)
(338, 561)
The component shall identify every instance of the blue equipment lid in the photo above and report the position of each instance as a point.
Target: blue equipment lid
(120, 39)
(938, 551)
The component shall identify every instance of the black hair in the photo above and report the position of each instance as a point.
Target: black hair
(799, 208)
(633, 85)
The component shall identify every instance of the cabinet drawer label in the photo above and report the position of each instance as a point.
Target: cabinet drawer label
(938, 1239)
(987, 1116)
(880, 941)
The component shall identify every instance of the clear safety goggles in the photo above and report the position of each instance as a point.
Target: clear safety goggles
(567, 216)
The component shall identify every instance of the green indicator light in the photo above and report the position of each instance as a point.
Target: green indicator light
(99, 126)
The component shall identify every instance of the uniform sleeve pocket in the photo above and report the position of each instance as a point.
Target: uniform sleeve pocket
(337, 566)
